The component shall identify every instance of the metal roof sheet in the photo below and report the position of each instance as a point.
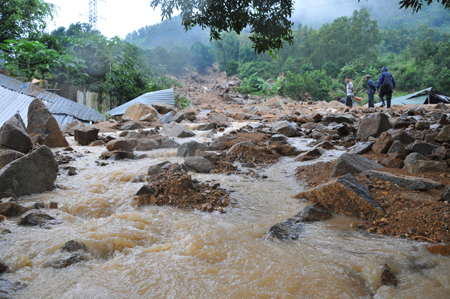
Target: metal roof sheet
(55, 103)
(165, 96)
(416, 98)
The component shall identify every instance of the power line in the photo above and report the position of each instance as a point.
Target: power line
(325, 5)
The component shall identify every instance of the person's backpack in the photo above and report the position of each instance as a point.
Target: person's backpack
(388, 83)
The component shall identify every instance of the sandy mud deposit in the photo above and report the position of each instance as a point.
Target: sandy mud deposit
(216, 200)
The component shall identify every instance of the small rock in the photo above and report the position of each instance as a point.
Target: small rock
(66, 261)
(388, 277)
(72, 246)
(37, 218)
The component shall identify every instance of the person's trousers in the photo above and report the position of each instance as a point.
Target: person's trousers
(371, 103)
(388, 95)
(349, 101)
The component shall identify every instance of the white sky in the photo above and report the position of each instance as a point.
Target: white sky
(122, 17)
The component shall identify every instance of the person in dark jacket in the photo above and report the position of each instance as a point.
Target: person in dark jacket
(385, 86)
(371, 89)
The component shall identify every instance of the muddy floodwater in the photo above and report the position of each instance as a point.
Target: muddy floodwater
(165, 252)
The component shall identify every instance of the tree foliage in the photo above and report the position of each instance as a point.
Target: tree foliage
(19, 18)
(268, 20)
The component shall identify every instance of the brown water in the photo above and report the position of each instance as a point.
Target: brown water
(164, 252)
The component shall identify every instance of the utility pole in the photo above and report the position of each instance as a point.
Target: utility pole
(93, 18)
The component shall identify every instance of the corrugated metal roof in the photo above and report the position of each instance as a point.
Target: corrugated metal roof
(12, 102)
(165, 96)
(416, 98)
(55, 103)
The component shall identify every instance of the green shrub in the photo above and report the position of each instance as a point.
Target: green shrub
(181, 102)
(232, 68)
(316, 84)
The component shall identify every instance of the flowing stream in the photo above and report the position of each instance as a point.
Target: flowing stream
(165, 252)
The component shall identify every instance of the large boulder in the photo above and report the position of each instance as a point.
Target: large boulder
(345, 196)
(174, 129)
(353, 164)
(169, 143)
(338, 118)
(423, 148)
(11, 209)
(147, 145)
(43, 127)
(120, 145)
(217, 117)
(131, 125)
(401, 136)
(173, 116)
(383, 143)
(163, 108)
(426, 166)
(198, 164)
(8, 155)
(404, 122)
(361, 148)
(136, 111)
(311, 154)
(291, 228)
(444, 135)
(13, 135)
(373, 125)
(188, 149)
(33, 173)
(86, 135)
(398, 148)
(286, 128)
(159, 168)
(409, 182)
(414, 157)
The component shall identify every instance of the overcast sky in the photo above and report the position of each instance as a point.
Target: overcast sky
(122, 17)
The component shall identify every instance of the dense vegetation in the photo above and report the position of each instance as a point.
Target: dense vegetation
(83, 58)
(320, 59)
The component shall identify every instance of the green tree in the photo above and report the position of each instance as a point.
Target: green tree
(202, 56)
(232, 68)
(19, 18)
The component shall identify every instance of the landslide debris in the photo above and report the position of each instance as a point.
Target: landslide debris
(174, 187)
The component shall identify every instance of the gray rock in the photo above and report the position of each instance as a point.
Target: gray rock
(403, 123)
(338, 118)
(353, 164)
(426, 166)
(198, 164)
(13, 135)
(414, 157)
(37, 218)
(131, 125)
(286, 128)
(8, 288)
(9, 155)
(176, 130)
(135, 135)
(277, 138)
(188, 149)
(33, 173)
(169, 143)
(159, 168)
(311, 154)
(422, 125)
(72, 246)
(397, 147)
(409, 182)
(444, 135)
(122, 145)
(163, 108)
(86, 135)
(292, 228)
(217, 117)
(361, 148)
(66, 261)
(205, 127)
(423, 148)
(147, 145)
(172, 116)
(373, 125)
(401, 136)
